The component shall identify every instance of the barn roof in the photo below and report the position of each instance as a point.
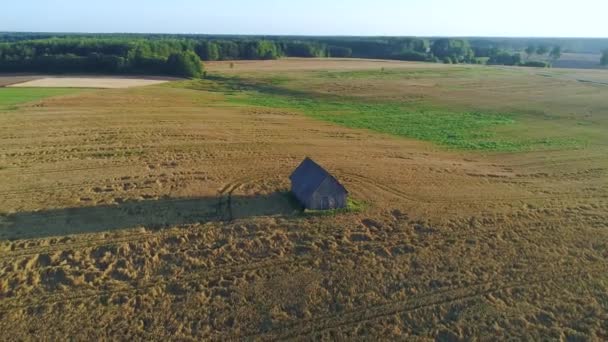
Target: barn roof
(309, 176)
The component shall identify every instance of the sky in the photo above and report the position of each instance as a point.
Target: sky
(519, 18)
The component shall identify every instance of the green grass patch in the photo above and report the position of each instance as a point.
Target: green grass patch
(352, 206)
(455, 72)
(10, 97)
(452, 128)
(385, 73)
(455, 129)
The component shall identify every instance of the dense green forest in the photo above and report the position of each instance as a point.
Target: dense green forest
(180, 55)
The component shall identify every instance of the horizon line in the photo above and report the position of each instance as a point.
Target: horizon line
(301, 35)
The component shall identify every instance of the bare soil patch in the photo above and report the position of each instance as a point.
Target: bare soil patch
(91, 82)
(311, 64)
(7, 80)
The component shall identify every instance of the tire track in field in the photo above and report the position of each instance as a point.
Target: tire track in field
(370, 182)
(557, 161)
(401, 194)
(88, 243)
(306, 328)
(19, 171)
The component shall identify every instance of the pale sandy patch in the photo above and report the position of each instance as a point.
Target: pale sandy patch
(91, 82)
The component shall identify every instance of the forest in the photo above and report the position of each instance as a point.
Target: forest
(180, 55)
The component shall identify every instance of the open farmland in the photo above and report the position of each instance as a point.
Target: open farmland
(483, 206)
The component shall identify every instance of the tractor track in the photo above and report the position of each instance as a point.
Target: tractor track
(366, 181)
(306, 328)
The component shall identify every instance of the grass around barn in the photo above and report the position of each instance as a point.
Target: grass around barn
(10, 97)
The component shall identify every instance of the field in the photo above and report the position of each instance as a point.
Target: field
(91, 82)
(579, 61)
(162, 212)
(6, 80)
(10, 97)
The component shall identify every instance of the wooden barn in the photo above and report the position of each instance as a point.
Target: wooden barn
(316, 188)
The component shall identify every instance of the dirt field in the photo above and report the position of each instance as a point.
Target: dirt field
(6, 80)
(579, 60)
(313, 64)
(114, 222)
(90, 82)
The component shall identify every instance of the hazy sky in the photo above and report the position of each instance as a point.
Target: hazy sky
(581, 18)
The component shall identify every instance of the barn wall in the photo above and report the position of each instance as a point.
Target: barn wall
(306, 202)
(333, 191)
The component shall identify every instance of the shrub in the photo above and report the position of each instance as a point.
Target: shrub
(339, 51)
(604, 60)
(505, 58)
(536, 64)
(185, 64)
(411, 55)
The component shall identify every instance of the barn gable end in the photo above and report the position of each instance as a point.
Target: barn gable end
(316, 189)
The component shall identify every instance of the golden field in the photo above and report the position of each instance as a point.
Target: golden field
(113, 218)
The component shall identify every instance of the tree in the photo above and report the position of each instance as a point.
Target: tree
(542, 50)
(457, 49)
(229, 50)
(308, 49)
(259, 49)
(185, 64)
(530, 50)
(505, 58)
(556, 53)
(604, 60)
(339, 51)
(208, 51)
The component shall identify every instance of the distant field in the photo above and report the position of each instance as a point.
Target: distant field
(13, 96)
(312, 64)
(579, 61)
(90, 82)
(470, 107)
(6, 80)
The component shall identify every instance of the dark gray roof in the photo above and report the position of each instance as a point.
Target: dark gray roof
(308, 177)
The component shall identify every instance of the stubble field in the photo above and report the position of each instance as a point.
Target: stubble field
(161, 212)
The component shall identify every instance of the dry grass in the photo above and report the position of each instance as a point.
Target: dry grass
(449, 245)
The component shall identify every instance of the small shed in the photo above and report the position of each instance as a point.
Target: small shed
(316, 188)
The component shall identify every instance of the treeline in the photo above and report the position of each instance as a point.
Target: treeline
(105, 55)
(444, 50)
(182, 55)
(403, 48)
(575, 45)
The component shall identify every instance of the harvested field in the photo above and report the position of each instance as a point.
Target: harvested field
(161, 212)
(579, 61)
(7, 80)
(11, 98)
(313, 64)
(91, 82)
